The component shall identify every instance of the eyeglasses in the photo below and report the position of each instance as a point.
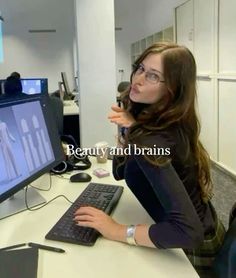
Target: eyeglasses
(150, 76)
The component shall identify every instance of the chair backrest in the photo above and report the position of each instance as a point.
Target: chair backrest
(12, 86)
(225, 261)
(57, 109)
(123, 86)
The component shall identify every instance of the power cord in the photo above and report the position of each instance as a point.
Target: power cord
(42, 189)
(43, 205)
(37, 208)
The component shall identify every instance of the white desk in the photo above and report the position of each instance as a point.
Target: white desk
(70, 108)
(106, 259)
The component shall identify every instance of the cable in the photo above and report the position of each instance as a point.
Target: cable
(37, 208)
(42, 189)
(48, 189)
(62, 176)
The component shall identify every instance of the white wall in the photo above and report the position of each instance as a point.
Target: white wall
(214, 43)
(40, 54)
(96, 65)
(138, 19)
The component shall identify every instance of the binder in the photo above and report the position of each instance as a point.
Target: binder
(21, 263)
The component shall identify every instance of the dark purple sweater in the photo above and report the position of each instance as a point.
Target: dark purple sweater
(170, 194)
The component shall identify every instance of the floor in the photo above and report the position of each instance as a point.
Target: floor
(224, 193)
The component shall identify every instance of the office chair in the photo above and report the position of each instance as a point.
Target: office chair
(57, 110)
(70, 163)
(122, 87)
(225, 262)
(12, 86)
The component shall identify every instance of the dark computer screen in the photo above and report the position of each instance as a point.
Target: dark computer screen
(29, 142)
(2, 86)
(31, 86)
(67, 95)
(65, 83)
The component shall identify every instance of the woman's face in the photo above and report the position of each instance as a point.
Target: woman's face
(148, 84)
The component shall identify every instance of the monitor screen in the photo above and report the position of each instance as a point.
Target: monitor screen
(29, 143)
(31, 86)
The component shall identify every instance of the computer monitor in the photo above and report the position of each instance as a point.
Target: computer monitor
(31, 86)
(65, 82)
(67, 95)
(29, 147)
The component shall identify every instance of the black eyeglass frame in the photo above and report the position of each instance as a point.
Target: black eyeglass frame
(136, 67)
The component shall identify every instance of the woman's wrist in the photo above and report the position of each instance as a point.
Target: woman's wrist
(124, 233)
(119, 233)
(130, 235)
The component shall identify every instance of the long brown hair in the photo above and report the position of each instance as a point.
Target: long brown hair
(178, 108)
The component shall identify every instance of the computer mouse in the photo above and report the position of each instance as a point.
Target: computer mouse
(80, 177)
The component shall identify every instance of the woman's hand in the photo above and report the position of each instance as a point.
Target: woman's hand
(103, 223)
(110, 229)
(120, 117)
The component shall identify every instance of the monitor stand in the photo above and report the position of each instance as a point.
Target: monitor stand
(16, 203)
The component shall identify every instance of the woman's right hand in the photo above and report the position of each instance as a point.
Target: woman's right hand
(121, 117)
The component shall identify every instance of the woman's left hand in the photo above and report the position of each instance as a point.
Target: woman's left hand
(121, 117)
(103, 223)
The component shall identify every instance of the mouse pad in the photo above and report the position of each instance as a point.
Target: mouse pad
(22, 263)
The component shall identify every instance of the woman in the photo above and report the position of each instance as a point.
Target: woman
(173, 185)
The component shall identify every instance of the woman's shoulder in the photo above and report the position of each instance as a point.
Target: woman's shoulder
(167, 137)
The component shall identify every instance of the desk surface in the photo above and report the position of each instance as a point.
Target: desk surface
(70, 108)
(106, 259)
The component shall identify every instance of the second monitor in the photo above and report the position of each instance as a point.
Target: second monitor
(31, 86)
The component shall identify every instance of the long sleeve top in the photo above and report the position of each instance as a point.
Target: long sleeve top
(170, 194)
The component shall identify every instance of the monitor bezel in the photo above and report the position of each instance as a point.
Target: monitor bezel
(52, 132)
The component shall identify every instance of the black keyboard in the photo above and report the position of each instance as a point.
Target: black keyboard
(101, 196)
